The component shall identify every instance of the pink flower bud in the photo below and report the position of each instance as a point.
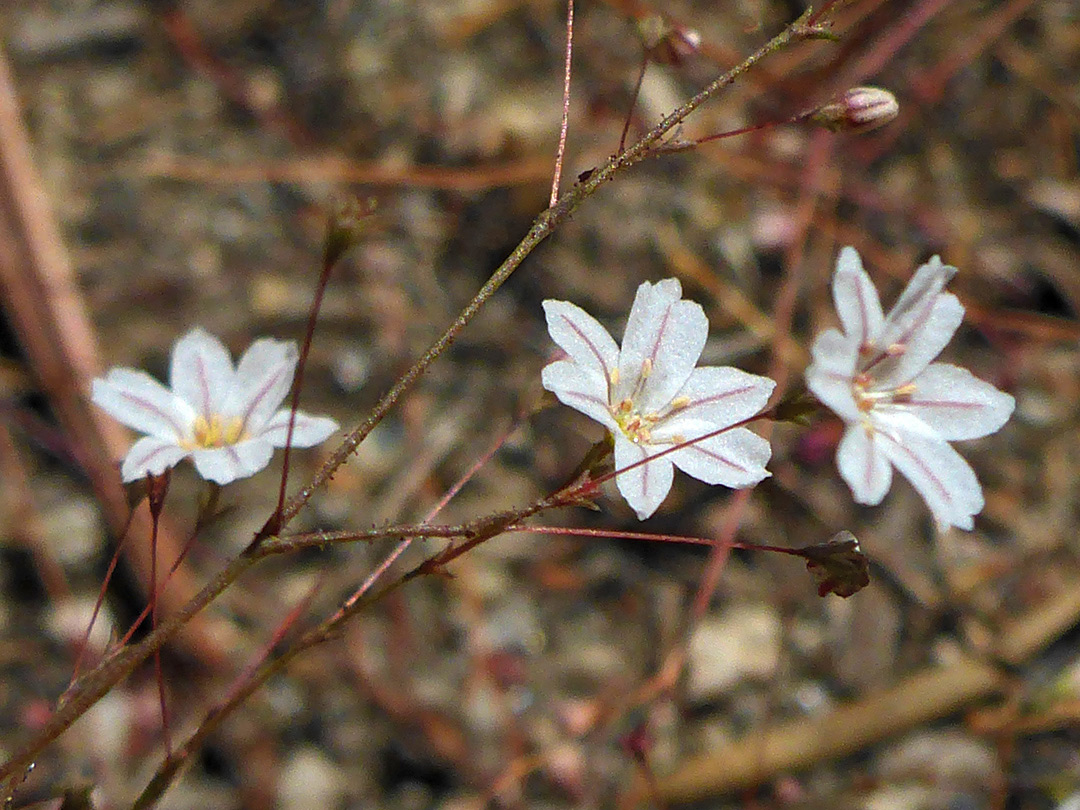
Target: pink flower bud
(666, 42)
(860, 109)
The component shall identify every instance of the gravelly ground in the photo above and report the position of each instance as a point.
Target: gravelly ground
(189, 151)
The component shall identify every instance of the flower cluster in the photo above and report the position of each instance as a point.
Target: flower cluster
(652, 398)
(876, 372)
(226, 419)
(901, 408)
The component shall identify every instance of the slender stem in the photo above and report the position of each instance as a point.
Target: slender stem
(573, 492)
(564, 126)
(96, 683)
(89, 689)
(480, 530)
(171, 766)
(633, 100)
(540, 230)
(405, 542)
(328, 263)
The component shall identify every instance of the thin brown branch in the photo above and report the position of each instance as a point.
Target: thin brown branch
(465, 180)
(924, 696)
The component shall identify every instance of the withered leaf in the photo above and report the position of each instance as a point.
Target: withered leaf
(838, 565)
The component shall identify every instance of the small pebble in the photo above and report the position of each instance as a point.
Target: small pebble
(742, 643)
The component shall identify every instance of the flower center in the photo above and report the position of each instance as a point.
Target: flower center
(217, 431)
(866, 399)
(636, 426)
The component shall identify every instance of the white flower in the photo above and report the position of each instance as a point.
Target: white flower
(225, 418)
(901, 409)
(650, 396)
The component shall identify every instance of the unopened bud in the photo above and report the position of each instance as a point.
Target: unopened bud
(860, 109)
(665, 42)
(344, 227)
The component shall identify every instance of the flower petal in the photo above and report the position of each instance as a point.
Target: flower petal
(263, 378)
(645, 486)
(223, 465)
(662, 343)
(955, 403)
(915, 303)
(201, 372)
(579, 389)
(830, 376)
(584, 339)
(856, 299)
(721, 396)
(307, 432)
(939, 474)
(863, 465)
(152, 455)
(735, 458)
(136, 399)
(921, 344)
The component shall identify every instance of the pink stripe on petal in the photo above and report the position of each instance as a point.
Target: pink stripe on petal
(940, 475)
(591, 346)
(206, 405)
(268, 385)
(662, 328)
(716, 398)
(147, 407)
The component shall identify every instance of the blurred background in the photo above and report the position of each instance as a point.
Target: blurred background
(182, 159)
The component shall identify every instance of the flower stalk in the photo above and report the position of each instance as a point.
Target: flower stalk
(93, 685)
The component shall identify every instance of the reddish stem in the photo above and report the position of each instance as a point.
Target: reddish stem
(564, 126)
(633, 101)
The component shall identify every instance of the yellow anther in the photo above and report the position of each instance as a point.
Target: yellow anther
(233, 431)
(637, 427)
(614, 376)
(646, 367)
(216, 431)
(679, 403)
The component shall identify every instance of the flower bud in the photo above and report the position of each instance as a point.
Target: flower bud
(665, 42)
(860, 109)
(345, 225)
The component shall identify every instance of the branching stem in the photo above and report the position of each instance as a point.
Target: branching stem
(116, 667)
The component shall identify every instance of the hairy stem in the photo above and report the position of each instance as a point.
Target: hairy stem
(541, 228)
(476, 532)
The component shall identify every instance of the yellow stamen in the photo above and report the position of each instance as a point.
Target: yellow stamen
(217, 431)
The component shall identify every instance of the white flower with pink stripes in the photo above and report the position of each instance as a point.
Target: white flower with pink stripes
(901, 409)
(652, 398)
(226, 419)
